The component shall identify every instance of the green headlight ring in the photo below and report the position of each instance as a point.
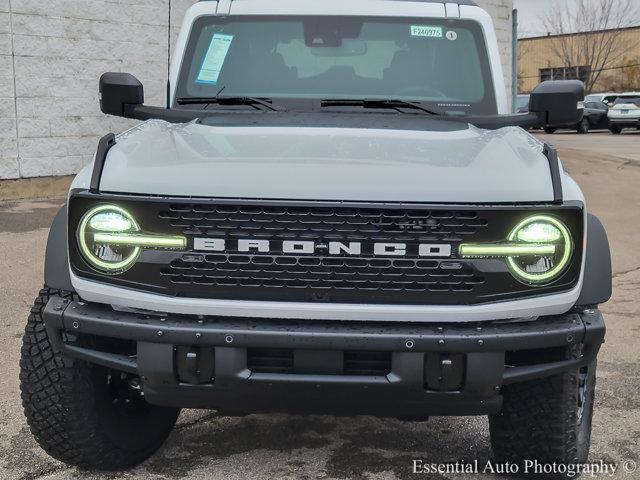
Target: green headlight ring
(562, 264)
(87, 253)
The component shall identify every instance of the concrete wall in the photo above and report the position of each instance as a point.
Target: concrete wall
(501, 11)
(52, 54)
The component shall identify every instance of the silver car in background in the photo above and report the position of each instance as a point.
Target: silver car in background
(625, 113)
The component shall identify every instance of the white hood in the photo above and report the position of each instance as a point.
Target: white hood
(458, 165)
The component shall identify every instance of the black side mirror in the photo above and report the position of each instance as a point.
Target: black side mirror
(119, 92)
(558, 103)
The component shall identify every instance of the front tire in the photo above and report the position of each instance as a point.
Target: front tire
(550, 130)
(548, 420)
(615, 130)
(584, 126)
(83, 414)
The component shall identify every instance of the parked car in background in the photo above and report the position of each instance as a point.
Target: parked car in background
(606, 98)
(522, 104)
(594, 118)
(625, 113)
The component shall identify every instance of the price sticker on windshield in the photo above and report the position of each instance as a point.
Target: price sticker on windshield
(214, 59)
(426, 31)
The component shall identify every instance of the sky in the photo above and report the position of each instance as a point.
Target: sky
(530, 11)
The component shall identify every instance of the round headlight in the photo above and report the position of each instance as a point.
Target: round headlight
(107, 256)
(553, 240)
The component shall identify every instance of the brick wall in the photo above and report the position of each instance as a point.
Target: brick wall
(52, 54)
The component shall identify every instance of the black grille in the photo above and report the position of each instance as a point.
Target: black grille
(354, 224)
(320, 273)
(367, 277)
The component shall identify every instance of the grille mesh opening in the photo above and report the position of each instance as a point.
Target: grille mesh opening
(320, 271)
(270, 360)
(335, 223)
(367, 363)
(281, 361)
(323, 273)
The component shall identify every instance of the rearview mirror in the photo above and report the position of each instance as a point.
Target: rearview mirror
(558, 102)
(119, 92)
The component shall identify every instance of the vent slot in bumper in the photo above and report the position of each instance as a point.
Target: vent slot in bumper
(312, 362)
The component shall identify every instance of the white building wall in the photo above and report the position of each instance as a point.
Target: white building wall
(53, 52)
(501, 11)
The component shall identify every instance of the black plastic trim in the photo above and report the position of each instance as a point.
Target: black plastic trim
(251, 119)
(171, 115)
(104, 145)
(56, 261)
(236, 390)
(554, 164)
(303, 202)
(597, 284)
(586, 328)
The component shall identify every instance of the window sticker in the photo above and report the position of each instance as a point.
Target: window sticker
(451, 35)
(426, 31)
(214, 59)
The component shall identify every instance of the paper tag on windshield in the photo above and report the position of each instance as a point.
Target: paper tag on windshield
(426, 31)
(214, 59)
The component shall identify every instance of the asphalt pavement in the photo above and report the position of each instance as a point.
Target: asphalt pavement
(205, 445)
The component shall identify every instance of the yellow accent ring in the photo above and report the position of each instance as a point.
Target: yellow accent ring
(88, 254)
(559, 268)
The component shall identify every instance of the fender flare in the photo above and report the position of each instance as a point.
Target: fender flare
(56, 261)
(597, 285)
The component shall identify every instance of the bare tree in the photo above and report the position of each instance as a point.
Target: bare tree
(590, 33)
(524, 50)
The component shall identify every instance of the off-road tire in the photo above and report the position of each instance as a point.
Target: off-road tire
(71, 408)
(548, 420)
(615, 130)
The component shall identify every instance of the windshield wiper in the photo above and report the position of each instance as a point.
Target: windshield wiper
(251, 101)
(378, 103)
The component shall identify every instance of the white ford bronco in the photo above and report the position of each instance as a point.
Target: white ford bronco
(333, 213)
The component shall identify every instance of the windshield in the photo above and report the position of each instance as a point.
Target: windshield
(441, 63)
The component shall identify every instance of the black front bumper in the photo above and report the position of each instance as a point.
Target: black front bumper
(433, 369)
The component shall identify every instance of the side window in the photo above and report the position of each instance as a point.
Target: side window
(546, 74)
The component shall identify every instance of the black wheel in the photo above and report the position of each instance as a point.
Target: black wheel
(615, 130)
(583, 127)
(549, 130)
(548, 420)
(83, 414)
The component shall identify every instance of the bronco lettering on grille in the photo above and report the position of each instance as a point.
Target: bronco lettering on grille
(308, 247)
